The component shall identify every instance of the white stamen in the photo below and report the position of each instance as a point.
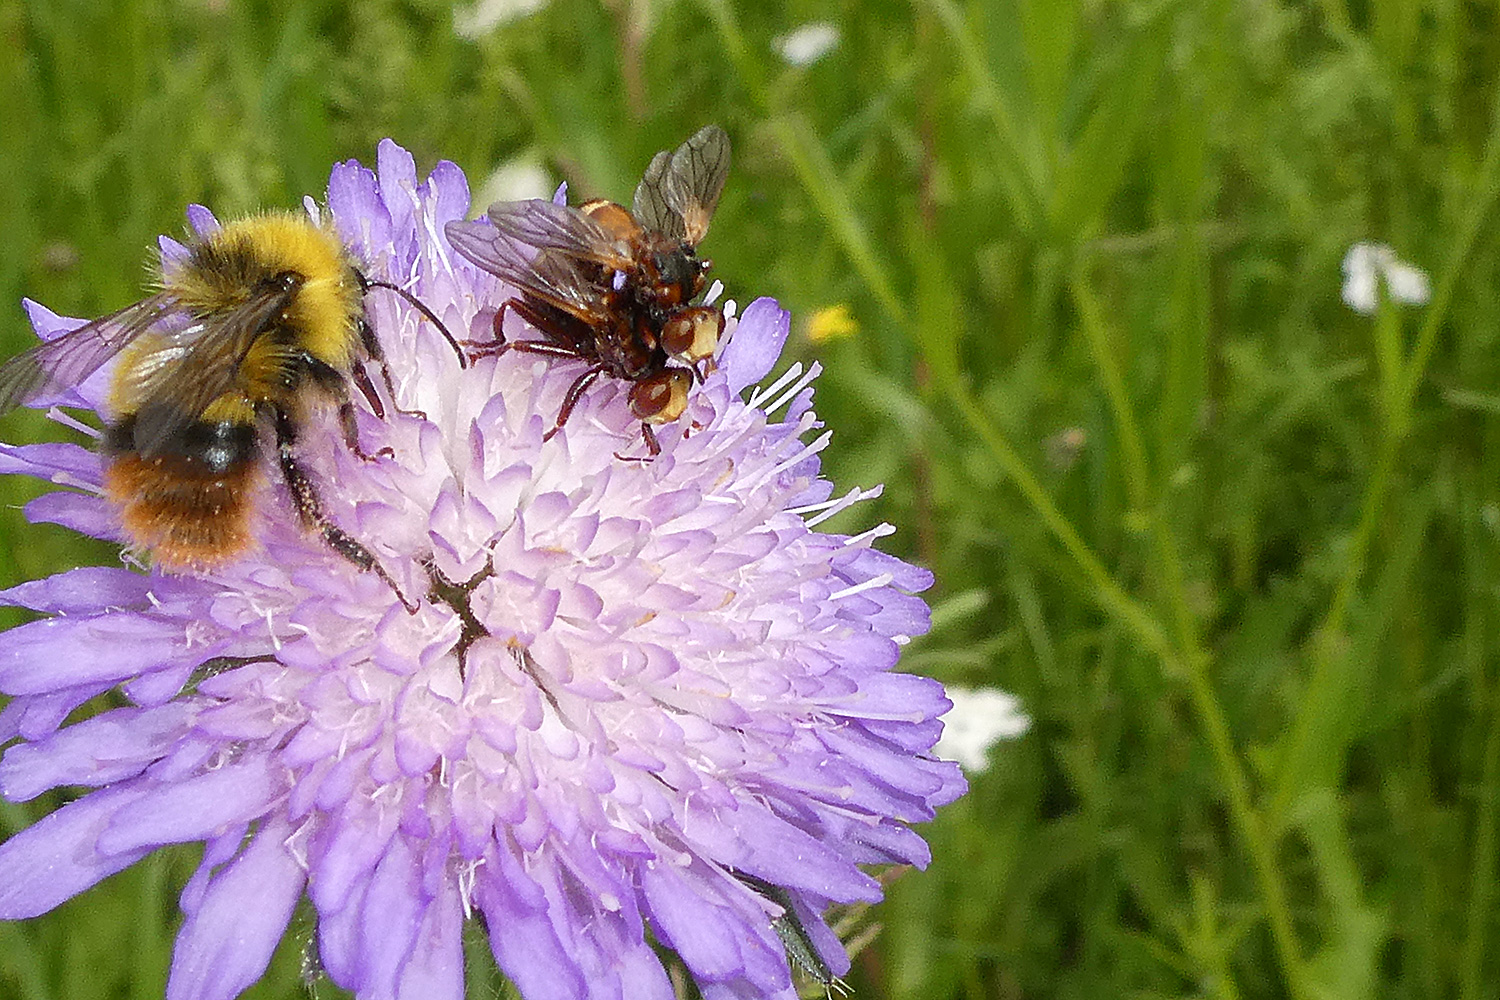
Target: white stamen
(759, 395)
(468, 875)
(66, 420)
(714, 291)
(804, 453)
(879, 531)
(68, 479)
(843, 503)
(730, 308)
(790, 394)
(873, 583)
(296, 844)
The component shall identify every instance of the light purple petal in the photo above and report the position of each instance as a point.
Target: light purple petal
(49, 326)
(197, 808)
(757, 342)
(682, 679)
(64, 652)
(435, 968)
(81, 591)
(450, 193)
(59, 463)
(227, 943)
(696, 928)
(55, 858)
(202, 220)
(525, 944)
(81, 512)
(35, 717)
(780, 853)
(393, 910)
(107, 748)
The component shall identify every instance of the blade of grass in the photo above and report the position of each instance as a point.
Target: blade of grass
(1021, 175)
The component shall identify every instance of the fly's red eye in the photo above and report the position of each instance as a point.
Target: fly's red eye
(661, 398)
(693, 334)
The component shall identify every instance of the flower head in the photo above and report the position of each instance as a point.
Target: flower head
(806, 44)
(617, 697)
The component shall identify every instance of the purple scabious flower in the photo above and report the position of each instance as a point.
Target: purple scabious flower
(643, 693)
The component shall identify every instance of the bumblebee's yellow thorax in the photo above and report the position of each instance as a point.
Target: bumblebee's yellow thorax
(322, 317)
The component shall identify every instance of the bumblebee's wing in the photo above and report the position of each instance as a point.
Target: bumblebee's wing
(63, 363)
(686, 185)
(548, 226)
(554, 277)
(174, 382)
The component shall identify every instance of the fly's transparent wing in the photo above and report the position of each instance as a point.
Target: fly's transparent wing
(63, 363)
(694, 179)
(650, 206)
(549, 275)
(562, 228)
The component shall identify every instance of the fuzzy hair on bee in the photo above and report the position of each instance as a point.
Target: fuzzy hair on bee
(260, 318)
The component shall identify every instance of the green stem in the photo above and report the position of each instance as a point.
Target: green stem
(1205, 702)
(1137, 472)
(1021, 179)
(1107, 592)
(1482, 869)
(1251, 829)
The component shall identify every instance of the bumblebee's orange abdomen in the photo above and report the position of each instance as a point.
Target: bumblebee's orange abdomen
(189, 503)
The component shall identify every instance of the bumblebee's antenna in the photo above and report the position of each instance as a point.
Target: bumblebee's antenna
(421, 307)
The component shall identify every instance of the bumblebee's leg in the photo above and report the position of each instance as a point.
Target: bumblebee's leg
(366, 284)
(362, 378)
(575, 392)
(367, 390)
(309, 508)
(329, 378)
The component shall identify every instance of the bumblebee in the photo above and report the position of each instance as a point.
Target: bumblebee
(258, 318)
(612, 286)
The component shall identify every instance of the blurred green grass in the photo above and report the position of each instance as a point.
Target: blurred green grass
(1234, 545)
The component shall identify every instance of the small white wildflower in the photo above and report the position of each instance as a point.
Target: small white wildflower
(476, 20)
(515, 180)
(1366, 263)
(979, 718)
(806, 45)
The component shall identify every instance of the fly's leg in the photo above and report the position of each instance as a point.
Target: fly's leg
(652, 446)
(498, 345)
(575, 392)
